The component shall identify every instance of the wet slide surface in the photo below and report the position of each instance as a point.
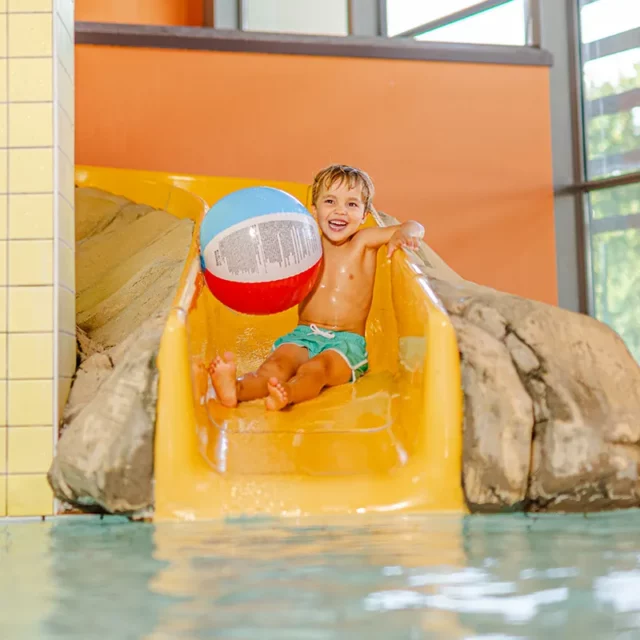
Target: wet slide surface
(389, 442)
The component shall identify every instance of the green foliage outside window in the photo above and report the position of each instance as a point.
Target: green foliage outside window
(616, 254)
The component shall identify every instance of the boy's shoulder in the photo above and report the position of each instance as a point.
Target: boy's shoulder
(358, 238)
(361, 235)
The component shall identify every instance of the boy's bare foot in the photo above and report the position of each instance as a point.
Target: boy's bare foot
(278, 397)
(223, 377)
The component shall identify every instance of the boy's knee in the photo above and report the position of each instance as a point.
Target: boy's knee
(273, 369)
(315, 367)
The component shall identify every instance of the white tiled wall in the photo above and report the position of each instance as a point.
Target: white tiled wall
(37, 279)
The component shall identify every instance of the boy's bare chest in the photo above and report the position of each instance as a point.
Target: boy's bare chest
(352, 273)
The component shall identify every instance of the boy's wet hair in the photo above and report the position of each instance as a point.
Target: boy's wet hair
(340, 173)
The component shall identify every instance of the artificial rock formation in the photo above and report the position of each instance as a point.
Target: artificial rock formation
(552, 398)
(129, 258)
(552, 401)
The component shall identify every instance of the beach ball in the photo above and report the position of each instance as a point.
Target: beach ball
(260, 250)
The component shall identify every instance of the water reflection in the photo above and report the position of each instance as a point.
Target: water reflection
(370, 577)
(99, 575)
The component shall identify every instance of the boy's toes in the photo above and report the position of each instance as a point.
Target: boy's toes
(278, 397)
(223, 377)
(215, 364)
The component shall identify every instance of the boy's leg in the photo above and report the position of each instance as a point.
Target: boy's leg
(281, 365)
(327, 369)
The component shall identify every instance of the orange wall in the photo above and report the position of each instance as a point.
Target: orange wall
(464, 148)
(166, 12)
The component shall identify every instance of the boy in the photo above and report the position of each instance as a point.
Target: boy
(327, 348)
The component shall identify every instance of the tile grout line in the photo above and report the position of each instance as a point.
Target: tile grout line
(66, 26)
(20, 427)
(72, 36)
(23, 473)
(8, 57)
(30, 379)
(62, 66)
(36, 147)
(64, 153)
(26, 101)
(36, 380)
(42, 285)
(63, 110)
(34, 286)
(65, 197)
(56, 249)
(34, 193)
(39, 239)
(37, 331)
(34, 239)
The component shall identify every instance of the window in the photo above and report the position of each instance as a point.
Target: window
(325, 17)
(403, 15)
(610, 34)
(615, 258)
(610, 52)
(493, 23)
(501, 25)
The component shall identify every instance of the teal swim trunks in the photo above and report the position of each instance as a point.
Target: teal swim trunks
(351, 346)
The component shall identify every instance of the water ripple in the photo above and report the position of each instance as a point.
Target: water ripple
(391, 577)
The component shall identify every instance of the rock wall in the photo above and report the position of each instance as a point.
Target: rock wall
(129, 258)
(552, 401)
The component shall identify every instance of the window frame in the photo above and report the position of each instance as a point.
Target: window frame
(369, 17)
(581, 186)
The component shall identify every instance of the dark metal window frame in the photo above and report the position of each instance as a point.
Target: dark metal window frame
(206, 39)
(369, 17)
(226, 30)
(573, 194)
(364, 17)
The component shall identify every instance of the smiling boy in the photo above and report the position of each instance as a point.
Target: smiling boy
(328, 347)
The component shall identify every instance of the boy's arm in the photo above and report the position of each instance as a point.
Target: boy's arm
(408, 234)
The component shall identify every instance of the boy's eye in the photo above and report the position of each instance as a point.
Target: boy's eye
(329, 201)
(353, 204)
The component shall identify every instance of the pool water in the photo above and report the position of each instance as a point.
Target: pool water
(393, 577)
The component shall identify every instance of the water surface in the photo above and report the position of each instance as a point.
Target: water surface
(397, 577)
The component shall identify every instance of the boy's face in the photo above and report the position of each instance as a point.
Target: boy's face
(340, 211)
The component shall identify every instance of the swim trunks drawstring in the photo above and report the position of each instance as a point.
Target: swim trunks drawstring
(321, 332)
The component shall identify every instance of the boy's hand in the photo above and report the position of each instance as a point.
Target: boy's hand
(407, 236)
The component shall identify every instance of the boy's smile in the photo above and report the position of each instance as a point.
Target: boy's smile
(340, 211)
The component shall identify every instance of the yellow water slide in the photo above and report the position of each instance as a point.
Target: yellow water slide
(390, 442)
